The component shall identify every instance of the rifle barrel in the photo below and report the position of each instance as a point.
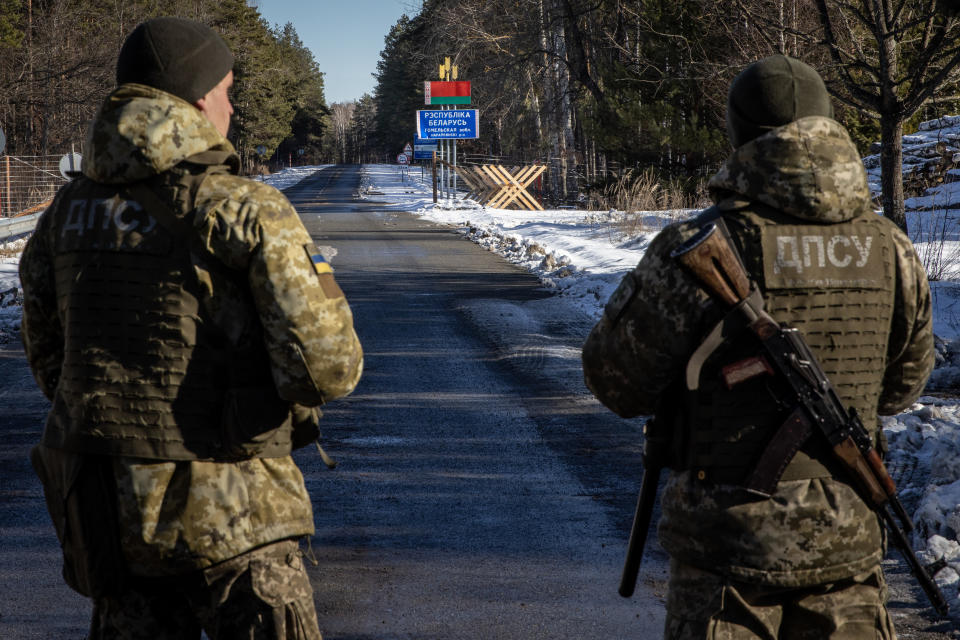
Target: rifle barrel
(934, 595)
(638, 532)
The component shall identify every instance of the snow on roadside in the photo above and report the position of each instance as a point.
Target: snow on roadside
(581, 254)
(10, 295)
(292, 175)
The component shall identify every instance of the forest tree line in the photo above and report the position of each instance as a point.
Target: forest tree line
(58, 61)
(587, 84)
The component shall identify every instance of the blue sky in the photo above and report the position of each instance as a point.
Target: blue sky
(345, 36)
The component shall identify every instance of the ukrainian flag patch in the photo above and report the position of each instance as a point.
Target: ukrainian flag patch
(320, 264)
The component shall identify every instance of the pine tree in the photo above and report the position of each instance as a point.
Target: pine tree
(399, 90)
(262, 112)
(303, 86)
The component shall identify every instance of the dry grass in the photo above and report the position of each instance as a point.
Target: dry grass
(636, 192)
(12, 248)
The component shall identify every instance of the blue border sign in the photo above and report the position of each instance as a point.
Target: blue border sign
(424, 149)
(452, 124)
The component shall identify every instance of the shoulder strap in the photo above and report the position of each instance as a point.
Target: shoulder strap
(159, 209)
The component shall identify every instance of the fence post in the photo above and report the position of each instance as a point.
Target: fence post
(434, 177)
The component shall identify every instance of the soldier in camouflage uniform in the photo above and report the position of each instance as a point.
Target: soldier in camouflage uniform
(185, 328)
(793, 195)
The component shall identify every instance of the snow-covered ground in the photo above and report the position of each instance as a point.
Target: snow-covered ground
(583, 255)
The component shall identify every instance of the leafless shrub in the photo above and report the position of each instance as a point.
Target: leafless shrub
(12, 248)
(935, 240)
(634, 194)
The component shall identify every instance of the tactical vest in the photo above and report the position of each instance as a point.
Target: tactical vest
(147, 371)
(836, 284)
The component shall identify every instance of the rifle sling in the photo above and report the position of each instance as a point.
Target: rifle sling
(736, 320)
(160, 210)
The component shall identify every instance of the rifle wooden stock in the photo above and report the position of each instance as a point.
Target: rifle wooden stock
(710, 259)
(858, 467)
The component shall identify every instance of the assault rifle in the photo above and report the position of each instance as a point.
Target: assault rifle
(712, 259)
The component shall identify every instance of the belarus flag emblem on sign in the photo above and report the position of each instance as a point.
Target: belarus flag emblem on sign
(444, 92)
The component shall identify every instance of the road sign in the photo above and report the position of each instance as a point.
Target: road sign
(261, 150)
(455, 124)
(441, 92)
(402, 158)
(424, 149)
(70, 165)
(408, 151)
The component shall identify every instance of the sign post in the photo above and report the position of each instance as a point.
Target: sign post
(434, 158)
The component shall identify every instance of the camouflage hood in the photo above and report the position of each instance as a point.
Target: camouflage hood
(809, 169)
(141, 131)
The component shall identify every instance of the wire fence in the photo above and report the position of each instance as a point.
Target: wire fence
(28, 183)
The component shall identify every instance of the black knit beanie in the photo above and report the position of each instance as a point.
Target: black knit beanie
(771, 93)
(179, 56)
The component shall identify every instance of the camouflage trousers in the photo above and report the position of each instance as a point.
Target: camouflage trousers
(264, 594)
(705, 606)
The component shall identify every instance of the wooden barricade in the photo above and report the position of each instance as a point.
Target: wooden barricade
(496, 186)
(513, 186)
(480, 188)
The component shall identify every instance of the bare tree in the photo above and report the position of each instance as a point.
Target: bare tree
(891, 57)
(341, 115)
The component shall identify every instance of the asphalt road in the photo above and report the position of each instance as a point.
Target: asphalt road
(480, 493)
(458, 509)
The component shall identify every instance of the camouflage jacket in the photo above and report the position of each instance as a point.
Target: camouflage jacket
(805, 180)
(256, 281)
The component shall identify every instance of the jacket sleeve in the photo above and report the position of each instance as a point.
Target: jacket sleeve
(910, 356)
(40, 327)
(648, 330)
(315, 354)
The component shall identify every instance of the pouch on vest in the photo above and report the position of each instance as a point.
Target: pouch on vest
(253, 424)
(81, 499)
(306, 425)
